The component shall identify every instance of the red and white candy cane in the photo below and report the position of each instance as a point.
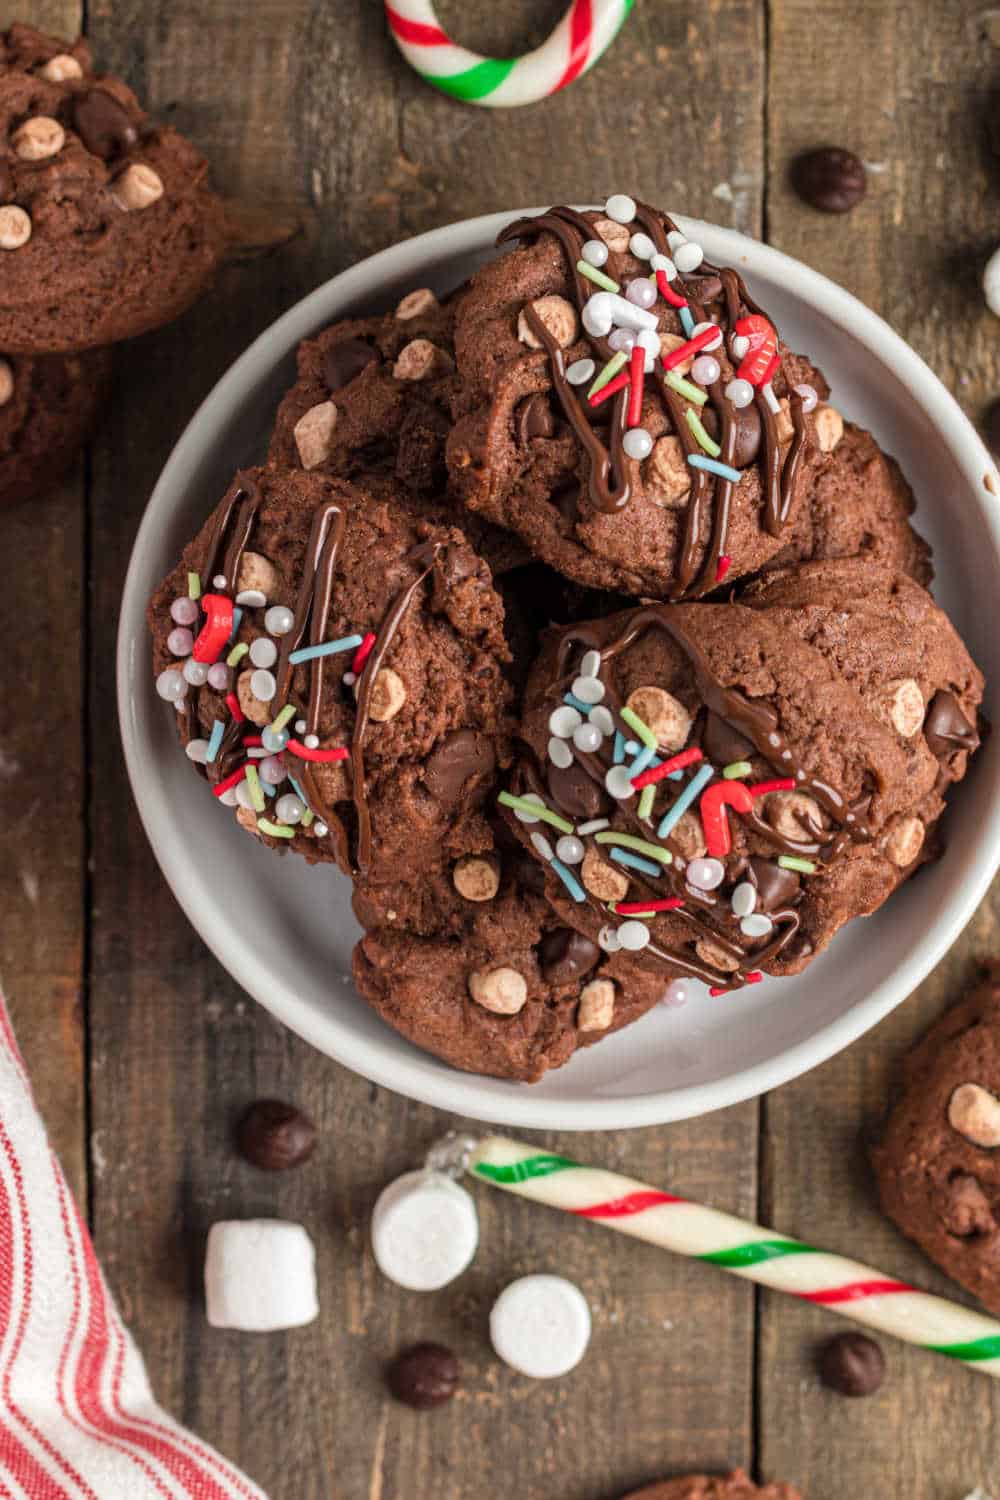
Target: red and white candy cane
(761, 359)
(714, 822)
(749, 1250)
(585, 31)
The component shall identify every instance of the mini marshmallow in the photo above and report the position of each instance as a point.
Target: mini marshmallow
(425, 1231)
(260, 1275)
(540, 1326)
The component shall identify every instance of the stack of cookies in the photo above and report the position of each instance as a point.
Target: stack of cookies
(571, 620)
(107, 229)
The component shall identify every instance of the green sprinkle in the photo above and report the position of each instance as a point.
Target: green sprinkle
(194, 586)
(254, 788)
(597, 277)
(685, 388)
(307, 817)
(629, 841)
(537, 810)
(646, 802)
(642, 729)
(276, 830)
(737, 770)
(792, 862)
(709, 444)
(615, 363)
(282, 719)
(239, 650)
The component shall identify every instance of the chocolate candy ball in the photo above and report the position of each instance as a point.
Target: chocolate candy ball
(830, 179)
(273, 1135)
(851, 1364)
(423, 1376)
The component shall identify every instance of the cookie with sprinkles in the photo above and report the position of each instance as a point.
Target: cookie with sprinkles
(672, 438)
(107, 224)
(336, 671)
(48, 406)
(720, 787)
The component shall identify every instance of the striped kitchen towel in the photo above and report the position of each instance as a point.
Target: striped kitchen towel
(77, 1417)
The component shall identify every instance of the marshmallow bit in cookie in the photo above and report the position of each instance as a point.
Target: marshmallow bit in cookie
(415, 304)
(476, 877)
(137, 188)
(556, 315)
(313, 434)
(38, 138)
(15, 227)
(61, 69)
(6, 382)
(975, 1113)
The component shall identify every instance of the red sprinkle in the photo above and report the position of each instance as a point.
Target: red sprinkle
(667, 292)
(675, 763)
(252, 742)
(217, 629)
(611, 389)
(233, 704)
(718, 990)
(725, 563)
(304, 753)
(363, 652)
(754, 978)
(668, 903)
(637, 365)
(783, 784)
(712, 806)
(684, 351)
(223, 786)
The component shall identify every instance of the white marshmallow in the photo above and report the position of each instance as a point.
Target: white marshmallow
(425, 1231)
(260, 1274)
(540, 1325)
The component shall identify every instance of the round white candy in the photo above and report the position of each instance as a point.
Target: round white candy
(195, 672)
(540, 1326)
(688, 257)
(739, 345)
(563, 720)
(665, 264)
(713, 343)
(642, 246)
(743, 899)
(180, 641)
(300, 726)
(706, 369)
(595, 253)
(756, 926)
(541, 846)
(197, 750)
(633, 936)
(526, 817)
(637, 443)
(263, 686)
(705, 874)
(618, 781)
(739, 392)
(588, 689)
(641, 291)
(263, 652)
(218, 677)
(591, 664)
(621, 340)
(602, 718)
(678, 992)
(587, 737)
(559, 753)
(219, 581)
(608, 939)
(621, 208)
(271, 770)
(569, 849)
(311, 742)
(809, 397)
(184, 611)
(320, 830)
(251, 599)
(581, 371)
(289, 808)
(279, 619)
(424, 1231)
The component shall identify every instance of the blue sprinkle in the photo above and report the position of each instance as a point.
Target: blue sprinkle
(215, 740)
(636, 862)
(643, 760)
(578, 704)
(569, 880)
(237, 617)
(328, 648)
(267, 788)
(712, 466)
(299, 792)
(687, 322)
(619, 751)
(693, 790)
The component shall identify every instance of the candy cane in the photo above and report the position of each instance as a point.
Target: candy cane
(715, 824)
(583, 34)
(748, 1250)
(761, 359)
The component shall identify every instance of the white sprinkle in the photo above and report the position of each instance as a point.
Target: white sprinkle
(608, 939)
(619, 783)
(563, 720)
(688, 257)
(581, 371)
(595, 253)
(756, 926)
(321, 830)
(311, 742)
(263, 686)
(197, 750)
(591, 664)
(637, 443)
(559, 753)
(633, 936)
(526, 817)
(771, 398)
(621, 208)
(219, 581)
(263, 652)
(596, 825)
(541, 845)
(588, 689)
(569, 849)
(743, 899)
(601, 716)
(641, 246)
(587, 737)
(705, 874)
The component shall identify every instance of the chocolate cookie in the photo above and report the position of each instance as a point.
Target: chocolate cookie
(107, 227)
(377, 754)
(938, 1166)
(721, 787)
(48, 406)
(373, 399)
(736, 1486)
(704, 479)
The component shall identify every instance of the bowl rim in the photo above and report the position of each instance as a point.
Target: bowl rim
(448, 1088)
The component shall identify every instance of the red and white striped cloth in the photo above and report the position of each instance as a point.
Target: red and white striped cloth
(77, 1417)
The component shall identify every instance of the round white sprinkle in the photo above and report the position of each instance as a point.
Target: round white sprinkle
(184, 611)
(677, 993)
(251, 599)
(263, 686)
(171, 685)
(559, 753)
(349, 679)
(591, 664)
(541, 845)
(300, 726)
(676, 239)
(197, 750)
(540, 1326)
(588, 689)
(642, 246)
(569, 849)
(526, 817)
(180, 641)
(271, 770)
(743, 899)
(595, 253)
(621, 208)
(279, 619)
(688, 257)
(195, 672)
(713, 343)
(311, 742)
(621, 340)
(607, 939)
(602, 718)
(320, 830)
(739, 346)
(665, 264)
(739, 392)
(228, 797)
(219, 581)
(756, 926)
(705, 874)
(424, 1231)
(219, 677)
(595, 825)
(633, 936)
(289, 808)
(809, 397)
(619, 783)
(263, 652)
(563, 720)
(580, 371)
(637, 443)
(587, 737)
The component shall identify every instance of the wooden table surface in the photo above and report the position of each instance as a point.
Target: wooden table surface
(143, 1050)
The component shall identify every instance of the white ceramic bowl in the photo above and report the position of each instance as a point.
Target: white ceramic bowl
(285, 931)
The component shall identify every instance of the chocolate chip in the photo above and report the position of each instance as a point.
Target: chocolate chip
(774, 885)
(748, 426)
(424, 1376)
(946, 729)
(852, 1364)
(103, 124)
(344, 361)
(566, 956)
(722, 743)
(533, 418)
(274, 1135)
(463, 756)
(575, 793)
(830, 179)
(703, 288)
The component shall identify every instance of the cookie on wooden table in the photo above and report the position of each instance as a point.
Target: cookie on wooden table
(735, 1486)
(938, 1164)
(107, 224)
(48, 405)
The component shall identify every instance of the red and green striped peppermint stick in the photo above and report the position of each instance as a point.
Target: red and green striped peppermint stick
(587, 28)
(745, 1249)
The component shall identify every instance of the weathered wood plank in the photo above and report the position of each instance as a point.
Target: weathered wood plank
(310, 108)
(42, 775)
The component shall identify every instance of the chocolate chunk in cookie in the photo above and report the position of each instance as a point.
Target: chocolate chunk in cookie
(48, 406)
